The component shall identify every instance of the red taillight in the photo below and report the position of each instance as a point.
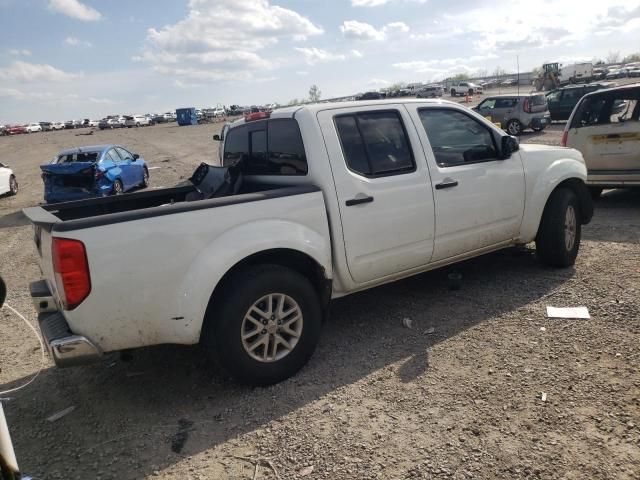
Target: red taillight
(527, 105)
(563, 142)
(71, 270)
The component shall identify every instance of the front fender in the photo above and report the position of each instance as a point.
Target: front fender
(235, 245)
(541, 184)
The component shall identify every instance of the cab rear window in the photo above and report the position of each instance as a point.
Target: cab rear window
(267, 147)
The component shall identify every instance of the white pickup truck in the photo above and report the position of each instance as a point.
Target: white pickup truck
(465, 88)
(335, 198)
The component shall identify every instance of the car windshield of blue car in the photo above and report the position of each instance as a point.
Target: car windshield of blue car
(83, 157)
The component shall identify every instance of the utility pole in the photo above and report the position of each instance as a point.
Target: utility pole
(518, 67)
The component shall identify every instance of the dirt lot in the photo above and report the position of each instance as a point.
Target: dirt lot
(378, 400)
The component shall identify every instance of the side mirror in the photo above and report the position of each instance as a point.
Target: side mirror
(135, 157)
(509, 145)
(216, 138)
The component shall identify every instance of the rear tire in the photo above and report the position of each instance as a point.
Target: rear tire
(117, 188)
(558, 238)
(514, 127)
(250, 300)
(453, 92)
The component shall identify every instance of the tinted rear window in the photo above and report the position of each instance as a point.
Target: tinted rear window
(272, 147)
(78, 157)
(538, 100)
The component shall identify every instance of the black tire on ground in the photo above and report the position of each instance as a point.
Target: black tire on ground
(595, 192)
(537, 129)
(560, 223)
(137, 124)
(453, 92)
(514, 127)
(225, 324)
(117, 188)
(145, 178)
(13, 185)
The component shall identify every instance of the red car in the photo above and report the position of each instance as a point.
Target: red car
(15, 130)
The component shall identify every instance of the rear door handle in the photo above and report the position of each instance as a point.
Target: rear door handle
(447, 184)
(358, 201)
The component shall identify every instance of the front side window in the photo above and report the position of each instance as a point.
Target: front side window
(488, 103)
(124, 154)
(457, 139)
(375, 143)
(614, 107)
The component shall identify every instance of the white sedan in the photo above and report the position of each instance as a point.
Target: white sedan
(57, 126)
(33, 127)
(8, 182)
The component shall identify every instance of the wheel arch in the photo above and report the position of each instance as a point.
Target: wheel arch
(296, 260)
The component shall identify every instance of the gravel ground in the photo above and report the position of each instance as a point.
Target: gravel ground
(459, 395)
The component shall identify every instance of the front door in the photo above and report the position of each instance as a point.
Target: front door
(383, 189)
(133, 168)
(479, 199)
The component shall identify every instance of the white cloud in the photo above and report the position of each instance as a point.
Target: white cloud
(378, 82)
(368, 3)
(396, 27)
(76, 42)
(314, 55)
(17, 52)
(229, 37)
(355, 30)
(17, 94)
(75, 9)
(302, 73)
(356, 53)
(29, 72)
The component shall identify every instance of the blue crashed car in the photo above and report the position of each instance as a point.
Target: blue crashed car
(97, 171)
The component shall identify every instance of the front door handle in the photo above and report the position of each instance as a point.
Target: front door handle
(447, 184)
(358, 201)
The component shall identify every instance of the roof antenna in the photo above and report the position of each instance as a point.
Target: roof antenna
(518, 67)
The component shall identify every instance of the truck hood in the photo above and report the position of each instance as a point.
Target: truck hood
(537, 152)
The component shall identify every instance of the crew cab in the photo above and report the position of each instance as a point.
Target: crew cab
(321, 201)
(465, 88)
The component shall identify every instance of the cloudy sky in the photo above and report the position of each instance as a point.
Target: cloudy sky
(63, 59)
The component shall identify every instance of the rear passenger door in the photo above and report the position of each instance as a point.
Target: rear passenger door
(503, 110)
(382, 187)
(479, 198)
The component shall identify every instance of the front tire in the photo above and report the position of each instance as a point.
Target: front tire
(264, 325)
(558, 238)
(514, 127)
(13, 185)
(145, 178)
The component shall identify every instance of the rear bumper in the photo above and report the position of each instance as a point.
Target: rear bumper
(66, 348)
(540, 122)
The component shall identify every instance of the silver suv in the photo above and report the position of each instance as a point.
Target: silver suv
(516, 113)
